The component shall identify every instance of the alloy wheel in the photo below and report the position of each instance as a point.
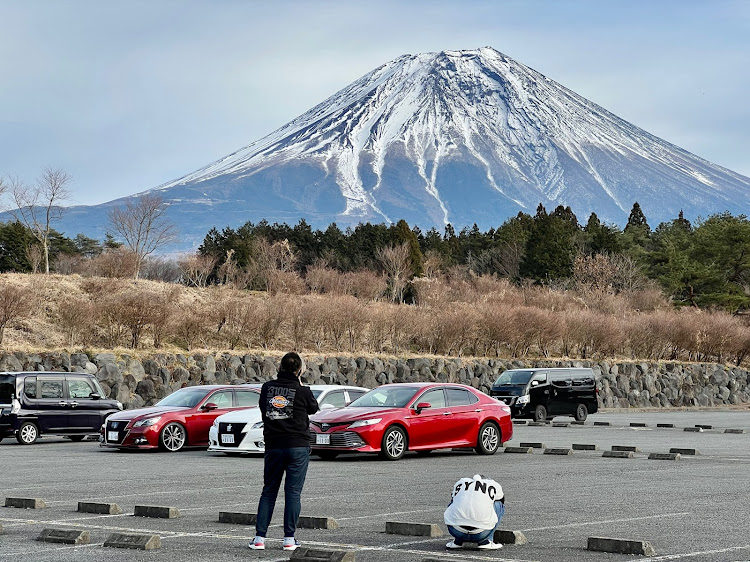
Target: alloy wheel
(173, 437)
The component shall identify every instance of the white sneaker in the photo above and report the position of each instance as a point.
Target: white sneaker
(258, 543)
(453, 544)
(290, 543)
(490, 546)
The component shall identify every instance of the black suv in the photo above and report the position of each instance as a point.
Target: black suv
(36, 403)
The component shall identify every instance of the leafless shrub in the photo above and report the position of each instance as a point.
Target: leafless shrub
(190, 325)
(66, 264)
(15, 304)
(430, 292)
(134, 309)
(108, 330)
(157, 268)
(314, 312)
(365, 285)
(285, 282)
(75, 318)
(716, 338)
(164, 304)
(378, 327)
(646, 299)
(593, 333)
(271, 316)
(196, 269)
(433, 264)
(396, 261)
(324, 280)
(117, 263)
(35, 255)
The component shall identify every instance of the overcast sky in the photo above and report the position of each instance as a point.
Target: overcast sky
(126, 95)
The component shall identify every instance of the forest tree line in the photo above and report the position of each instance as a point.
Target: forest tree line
(704, 265)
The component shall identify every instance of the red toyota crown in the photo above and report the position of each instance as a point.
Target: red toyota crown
(180, 420)
(395, 418)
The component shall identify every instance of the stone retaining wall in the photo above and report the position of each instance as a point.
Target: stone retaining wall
(139, 382)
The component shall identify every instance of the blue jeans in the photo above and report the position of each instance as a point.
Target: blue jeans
(481, 536)
(277, 462)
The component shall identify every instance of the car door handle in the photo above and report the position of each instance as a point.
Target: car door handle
(62, 403)
(478, 410)
(446, 413)
(73, 404)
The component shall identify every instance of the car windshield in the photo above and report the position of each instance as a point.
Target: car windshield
(185, 398)
(7, 388)
(519, 378)
(386, 397)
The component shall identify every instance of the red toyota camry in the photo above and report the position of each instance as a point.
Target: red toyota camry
(179, 420)
(395, 418)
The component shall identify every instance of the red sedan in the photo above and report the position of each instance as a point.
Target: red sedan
(394, 418)
(180, 420)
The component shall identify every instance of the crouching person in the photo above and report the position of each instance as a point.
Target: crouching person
(476, 508)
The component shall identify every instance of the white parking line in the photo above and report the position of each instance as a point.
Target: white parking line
(696, 553)
(600, 521)
(380, 515)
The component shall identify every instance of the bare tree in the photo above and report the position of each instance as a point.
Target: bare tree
(15, 303)
(143, 224)
(38, 206)
(396, 262)
(196, 268)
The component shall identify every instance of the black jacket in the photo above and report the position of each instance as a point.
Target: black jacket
(285, 405)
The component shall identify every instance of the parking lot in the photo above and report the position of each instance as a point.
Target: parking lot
(695, 508)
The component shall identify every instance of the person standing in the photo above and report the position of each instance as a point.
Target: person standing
(286, 405)
(476, 508)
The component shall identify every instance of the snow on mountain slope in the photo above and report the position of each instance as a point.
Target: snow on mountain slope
(458, 136)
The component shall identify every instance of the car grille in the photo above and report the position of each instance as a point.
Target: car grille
(509, 400)
(234, 429)
(347, 439)
(118, 426)
(325, 426)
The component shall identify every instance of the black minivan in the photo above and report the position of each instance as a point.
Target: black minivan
(35, 403)
(544, 393)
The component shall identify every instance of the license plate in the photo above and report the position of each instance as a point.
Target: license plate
(112, 436)
(322, 439)
(227, 438)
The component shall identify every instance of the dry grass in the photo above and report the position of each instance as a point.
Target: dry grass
(456, 315)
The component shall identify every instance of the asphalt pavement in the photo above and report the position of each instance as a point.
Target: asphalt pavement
(696, 508)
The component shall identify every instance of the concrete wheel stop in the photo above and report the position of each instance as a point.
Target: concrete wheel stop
(620, 546)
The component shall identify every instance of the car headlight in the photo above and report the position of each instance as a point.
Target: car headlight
(147, 422)
(363, 423)
(523, 400)
(258, 425)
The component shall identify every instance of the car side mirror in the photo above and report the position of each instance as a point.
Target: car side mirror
(210, 406)
(95, 396)
(423, 406)
(534, 383)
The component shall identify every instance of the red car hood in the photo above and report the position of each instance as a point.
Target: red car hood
(347, 414)
(145, 412)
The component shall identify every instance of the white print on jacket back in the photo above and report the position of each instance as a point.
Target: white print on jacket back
(280, 404)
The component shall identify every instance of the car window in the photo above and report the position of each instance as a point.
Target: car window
(335, 398)
(435, 397)
(561, 378)
(354, 394)
(247, 398)
(460, 397)
(541, 378)
(29, 387)
(7, 388)
(51, 388)
(80, 388)
(222, 399)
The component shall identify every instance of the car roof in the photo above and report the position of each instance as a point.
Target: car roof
(334, 386)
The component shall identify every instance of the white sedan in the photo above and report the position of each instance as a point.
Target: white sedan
(241, 431)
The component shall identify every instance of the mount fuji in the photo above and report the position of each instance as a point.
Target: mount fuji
(456, 137)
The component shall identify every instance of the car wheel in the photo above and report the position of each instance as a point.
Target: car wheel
(393, 445)
(540, 414)
(488, 439)
(76, 438)
(582, 412)
(327, 455)
(173, 437)
(28, 433)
